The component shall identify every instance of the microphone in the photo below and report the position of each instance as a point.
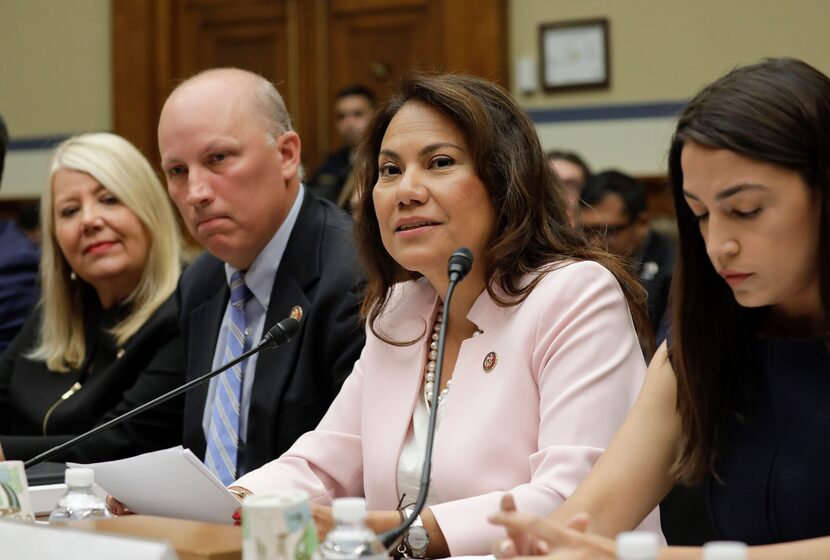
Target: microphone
(277, 335)
(460, 263)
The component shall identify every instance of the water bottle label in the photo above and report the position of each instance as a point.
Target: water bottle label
(14, 492)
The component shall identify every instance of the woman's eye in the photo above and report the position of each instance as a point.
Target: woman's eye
(175, 171)
(442, 161)
(389, 168)
(701, 217)
(67, 211)
(109, 199)
(222, 156)
(748, 214)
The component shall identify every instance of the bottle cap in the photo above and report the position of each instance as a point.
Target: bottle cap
(79, 476)
(637, 545)
(349, 509)
(724, 550)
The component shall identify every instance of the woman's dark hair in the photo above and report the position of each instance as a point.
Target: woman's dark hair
(532, 229)
(778, 112)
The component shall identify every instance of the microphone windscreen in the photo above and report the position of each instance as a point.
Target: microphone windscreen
(461, 261)
(284, 331)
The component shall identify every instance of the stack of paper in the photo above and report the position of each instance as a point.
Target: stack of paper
(168, 483)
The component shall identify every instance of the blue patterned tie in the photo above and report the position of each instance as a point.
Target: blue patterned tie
(223, 436)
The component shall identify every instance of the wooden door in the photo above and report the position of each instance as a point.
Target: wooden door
(309, 48)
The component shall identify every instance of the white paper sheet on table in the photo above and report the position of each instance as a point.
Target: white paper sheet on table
(170, 483)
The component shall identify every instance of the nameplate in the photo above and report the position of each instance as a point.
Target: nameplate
(54, 542)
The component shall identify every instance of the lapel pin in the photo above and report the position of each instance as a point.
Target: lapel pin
(119, 353)
(490, 361)
(296, 313)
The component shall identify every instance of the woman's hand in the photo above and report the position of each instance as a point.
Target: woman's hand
(323, 519)
(116, 507)
(518, 542)
(529, 535)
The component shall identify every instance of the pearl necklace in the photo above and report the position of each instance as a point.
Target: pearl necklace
(429, 384)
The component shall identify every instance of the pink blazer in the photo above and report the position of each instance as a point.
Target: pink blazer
(569, 368)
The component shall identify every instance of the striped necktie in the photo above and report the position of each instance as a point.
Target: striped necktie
(223, 435)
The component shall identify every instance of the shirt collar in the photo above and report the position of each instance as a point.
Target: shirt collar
(262, 272)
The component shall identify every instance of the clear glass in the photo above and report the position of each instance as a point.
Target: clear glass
(79, 503)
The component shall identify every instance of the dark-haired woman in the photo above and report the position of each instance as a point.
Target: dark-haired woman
(542, 359)
(739, 398)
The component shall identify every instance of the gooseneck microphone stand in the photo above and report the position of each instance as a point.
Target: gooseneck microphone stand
(279, 334)
(460, 264)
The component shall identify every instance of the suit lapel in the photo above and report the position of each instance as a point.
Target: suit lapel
(298, 269)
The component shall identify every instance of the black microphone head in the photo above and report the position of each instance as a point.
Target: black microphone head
(282, 332)
(461, 261)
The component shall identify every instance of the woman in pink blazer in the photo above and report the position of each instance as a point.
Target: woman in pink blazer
(542, 360)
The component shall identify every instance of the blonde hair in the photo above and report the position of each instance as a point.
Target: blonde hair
(120, 168)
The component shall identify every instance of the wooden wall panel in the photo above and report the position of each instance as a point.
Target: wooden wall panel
(309, 48)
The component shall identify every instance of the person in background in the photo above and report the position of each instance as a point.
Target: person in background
(573, 173)
(104, 338)
(232, 163)
(353, 107)
(539, 336)
(19, 260)
(738, 396)
(614, 214)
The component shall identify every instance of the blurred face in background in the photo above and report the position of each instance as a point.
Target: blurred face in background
(609, 226)
(573, 178)
(351, 114)
(103, 241)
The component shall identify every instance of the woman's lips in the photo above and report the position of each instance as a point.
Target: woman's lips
(735, 278)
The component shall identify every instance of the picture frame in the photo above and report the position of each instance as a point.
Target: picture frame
(574, 55)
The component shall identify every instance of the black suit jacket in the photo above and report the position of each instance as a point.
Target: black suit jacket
(655, 271)
(295, 383)
(115, 382)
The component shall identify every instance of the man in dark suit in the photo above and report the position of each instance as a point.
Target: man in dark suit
(232, 164)
(613, 212)
(353, 107)
(19, 259)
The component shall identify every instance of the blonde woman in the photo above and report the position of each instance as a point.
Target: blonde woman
(104, 337)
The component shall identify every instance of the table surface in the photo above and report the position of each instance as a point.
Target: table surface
(193, 540)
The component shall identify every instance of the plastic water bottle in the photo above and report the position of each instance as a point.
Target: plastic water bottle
(351, 538)
(79, 501)
(637, 545)
(724, 550)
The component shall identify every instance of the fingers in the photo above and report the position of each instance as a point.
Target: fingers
(508, 503)
(536, 526)
(116, 507)
(579, 522)
(504, 548)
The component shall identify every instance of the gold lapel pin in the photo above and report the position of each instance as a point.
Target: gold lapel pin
(490, 362)
(296, 313)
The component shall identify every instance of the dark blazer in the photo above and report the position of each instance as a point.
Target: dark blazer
(295, 383)
(114, 382)
(655, 272)
(19, 286)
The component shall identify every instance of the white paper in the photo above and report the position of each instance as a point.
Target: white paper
(50, 542)
(169, 483)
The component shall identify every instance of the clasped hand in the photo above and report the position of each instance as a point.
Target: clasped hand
(530, 535)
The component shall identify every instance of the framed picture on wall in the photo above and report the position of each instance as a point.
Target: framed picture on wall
(574, 55)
